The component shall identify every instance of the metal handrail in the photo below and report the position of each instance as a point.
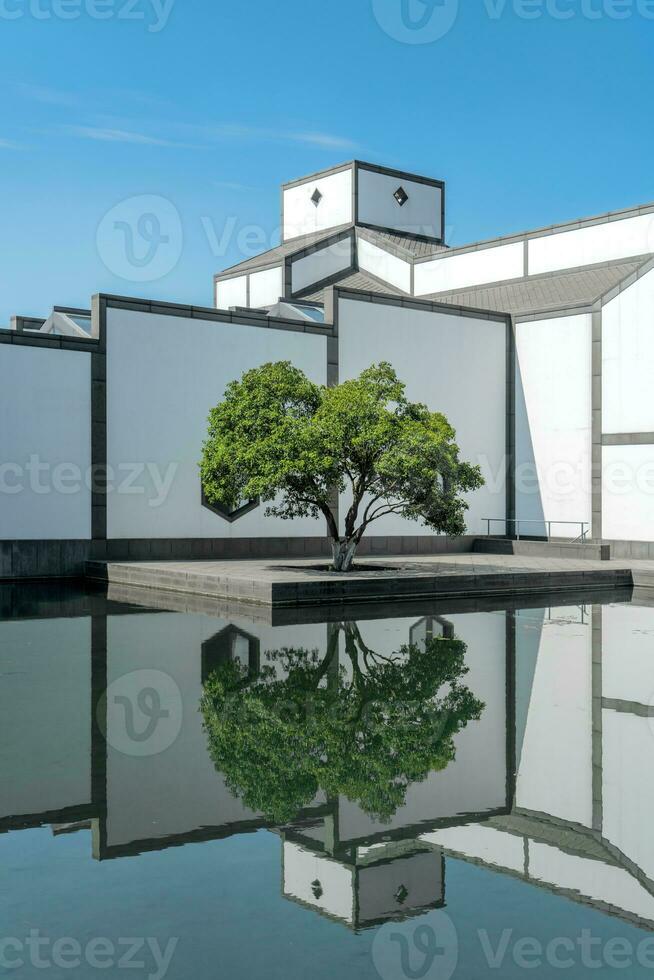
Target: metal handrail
(583, 525)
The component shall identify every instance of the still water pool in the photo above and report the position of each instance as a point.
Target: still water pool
(445, 790)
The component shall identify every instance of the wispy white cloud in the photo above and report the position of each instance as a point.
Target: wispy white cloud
(239, 131)
(327, 140)
(104, 134)
(10, 145)
(46, 95)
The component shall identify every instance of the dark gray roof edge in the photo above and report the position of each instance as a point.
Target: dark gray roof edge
(410, 302)
(574, 225)
(277, 255)
(365, 165)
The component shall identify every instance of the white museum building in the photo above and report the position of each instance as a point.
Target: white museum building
(538, 346)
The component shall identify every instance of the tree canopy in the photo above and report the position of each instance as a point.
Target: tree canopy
(296, 445)
(365, 729)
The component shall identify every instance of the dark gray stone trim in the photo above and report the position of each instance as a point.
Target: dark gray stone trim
(249, 318)
(511, 727)
(206, 549)
(43, 559)
(597, 704)
(53, 341)
(628, 439)
(409, 302)
(21, 323)
(510, 422)
(550, 230)
(596, 416)
(555, 314)
(99, 426)
(628, 707)
(298, 181)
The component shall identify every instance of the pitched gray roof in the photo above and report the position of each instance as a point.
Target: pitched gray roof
(411, 246)
(357, 280)
(279, 253)
(538, 294)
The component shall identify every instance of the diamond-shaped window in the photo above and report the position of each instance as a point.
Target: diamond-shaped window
(401, 196)
(230, 513)
(316, 197)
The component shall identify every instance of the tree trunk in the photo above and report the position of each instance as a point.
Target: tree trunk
(343, 551)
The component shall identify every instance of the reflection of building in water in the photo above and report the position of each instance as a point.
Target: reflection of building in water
(361, 886)
(583, 803)
(567, 695)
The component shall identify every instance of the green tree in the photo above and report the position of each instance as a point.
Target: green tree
(365, 730)
(297, 445)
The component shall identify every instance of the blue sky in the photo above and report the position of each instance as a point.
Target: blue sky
(533, 111)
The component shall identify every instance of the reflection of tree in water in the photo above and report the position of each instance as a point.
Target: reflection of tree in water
(366, 730)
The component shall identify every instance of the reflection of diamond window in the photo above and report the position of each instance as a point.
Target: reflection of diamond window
(230, 513)
(316, 197)
(401, 196)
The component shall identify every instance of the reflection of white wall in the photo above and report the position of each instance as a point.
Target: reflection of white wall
(179, 790)
(482, 843)
(419, 215)
(384, 265)
(45, 407)
(470, 269)
(628, 359)
(593, 879)
(164, 374)
(232, 292)
(45, 715)
(628, 654)
(303, 867)
(596, 243)
(454, 364)
(321, 264)
(628, 493)
(475, 781)
(301, 216)
(554, 422)
(628, 789)
(555, 772)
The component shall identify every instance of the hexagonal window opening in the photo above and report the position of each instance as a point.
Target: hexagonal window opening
(428, 628)
(231, 645)
(230, 514)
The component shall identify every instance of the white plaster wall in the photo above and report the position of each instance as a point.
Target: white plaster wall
(604, 242)
(554, 423)
(45, 408)
(266, 287)
(420, 215)
(164, 374)
(628, 493)
(628, 790)
(470, 269)
(302, 217)
(232, 292)
(384, 265)
(455, 365)
(555, 774)
(321, 264)
(628, 359)
(45, 715)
